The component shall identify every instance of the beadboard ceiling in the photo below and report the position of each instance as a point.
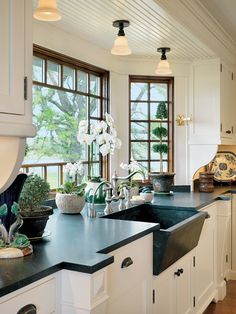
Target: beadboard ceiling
(150, 27)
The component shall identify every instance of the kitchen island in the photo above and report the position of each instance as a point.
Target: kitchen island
(86, 245)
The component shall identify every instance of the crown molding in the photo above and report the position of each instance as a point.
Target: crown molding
(198, 20)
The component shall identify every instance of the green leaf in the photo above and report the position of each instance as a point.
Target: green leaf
(162, 112)
(15, 208)
(160, 148)
(160, 132)
(3, 210)
(20, 241)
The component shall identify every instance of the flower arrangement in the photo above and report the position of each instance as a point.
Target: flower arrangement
(103, 133)
(75, 173)
(133, 166)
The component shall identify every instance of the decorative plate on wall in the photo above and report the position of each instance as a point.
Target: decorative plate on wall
(224, 167)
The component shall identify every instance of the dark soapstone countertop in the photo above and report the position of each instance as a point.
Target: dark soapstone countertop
(76, 243)
(83, 244)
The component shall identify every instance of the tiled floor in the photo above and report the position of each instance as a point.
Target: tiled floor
(228, 305)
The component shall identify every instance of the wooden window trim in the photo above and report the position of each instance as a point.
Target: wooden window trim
(104, 97)
(170, 100)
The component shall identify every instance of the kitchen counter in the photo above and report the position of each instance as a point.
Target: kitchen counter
(83, 244)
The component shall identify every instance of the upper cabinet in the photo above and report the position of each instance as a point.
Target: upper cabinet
(15, 64)
(227, 105)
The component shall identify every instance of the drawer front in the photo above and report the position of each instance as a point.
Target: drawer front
(132, 263)
(41, 296)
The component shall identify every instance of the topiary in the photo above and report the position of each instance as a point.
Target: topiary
(34, 192)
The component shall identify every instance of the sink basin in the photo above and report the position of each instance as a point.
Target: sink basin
(179, 232)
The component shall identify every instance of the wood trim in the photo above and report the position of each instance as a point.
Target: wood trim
(170, 121)
(104, 97)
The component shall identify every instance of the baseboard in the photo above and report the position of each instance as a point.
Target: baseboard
(221, 291)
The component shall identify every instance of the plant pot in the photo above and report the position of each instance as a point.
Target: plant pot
(206, 182)
(34, 222)
(70, 203)
(162, 182)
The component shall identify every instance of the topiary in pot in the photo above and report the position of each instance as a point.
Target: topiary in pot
(161, 181)
(35, 215)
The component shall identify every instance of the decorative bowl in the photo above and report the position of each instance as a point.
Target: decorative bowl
(147, 196)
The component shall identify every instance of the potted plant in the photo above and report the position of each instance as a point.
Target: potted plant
(70, 197)
(161, 181)
(35, 191)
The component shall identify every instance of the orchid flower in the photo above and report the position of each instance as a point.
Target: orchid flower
(102, 132)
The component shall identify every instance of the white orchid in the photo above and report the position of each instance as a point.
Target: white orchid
(73, 169)
(133, 166)
(103, 132)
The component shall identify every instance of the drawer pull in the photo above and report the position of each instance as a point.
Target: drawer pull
(179, 272)
(126, 262)
(228, 132)
(28, 309)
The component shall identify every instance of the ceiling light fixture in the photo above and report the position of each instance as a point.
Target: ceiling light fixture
(163, 67)
(47, 11)
(121, 47)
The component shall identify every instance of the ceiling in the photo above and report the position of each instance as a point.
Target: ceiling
(224, 12)
(150, 26)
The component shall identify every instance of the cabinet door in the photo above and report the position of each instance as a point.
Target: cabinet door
(174, 288)
(205, 270)
(227, 90)
(129, 278)
(12, 29)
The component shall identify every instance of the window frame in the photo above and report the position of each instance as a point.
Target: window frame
(104, 94)
(170, 101)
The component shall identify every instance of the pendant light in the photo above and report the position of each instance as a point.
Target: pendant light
(163, 67)
(121, 47)
(47, 11)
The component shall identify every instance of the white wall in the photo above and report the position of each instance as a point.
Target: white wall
(51, 37)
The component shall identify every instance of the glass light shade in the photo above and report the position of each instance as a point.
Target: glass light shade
(47, 11)
(163, 68)
(121, 47)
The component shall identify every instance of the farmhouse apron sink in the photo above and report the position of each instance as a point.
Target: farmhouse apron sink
(179, 232)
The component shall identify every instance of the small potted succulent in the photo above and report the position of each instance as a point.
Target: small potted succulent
(70, 197)
(162, 181)
(35, 215)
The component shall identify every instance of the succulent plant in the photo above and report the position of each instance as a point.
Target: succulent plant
(72, 188)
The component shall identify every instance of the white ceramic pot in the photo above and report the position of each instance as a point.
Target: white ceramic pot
(70, 203)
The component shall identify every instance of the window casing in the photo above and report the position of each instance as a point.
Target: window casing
(69, 91)
(146, 93)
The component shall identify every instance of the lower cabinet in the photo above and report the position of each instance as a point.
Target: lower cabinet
(129, 278)
(205, 261)
(173, 288)
(39, 297)
(189, 285)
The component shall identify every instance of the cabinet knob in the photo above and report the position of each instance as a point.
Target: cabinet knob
(28, 309)
(126, 262)
(179, 272)
(228, 132)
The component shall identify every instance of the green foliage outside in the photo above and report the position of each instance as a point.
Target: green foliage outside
(35, 191)
(161, 132)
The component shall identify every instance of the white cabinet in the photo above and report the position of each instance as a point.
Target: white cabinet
(124, 286)
(129, 278)
(233, 234)
(223, 245)
(173, 288)
(15, 65)
(40, 296)
(205, 270)
(227, 104)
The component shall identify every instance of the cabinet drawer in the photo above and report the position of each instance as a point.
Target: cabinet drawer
(42, 296)
(132, 263)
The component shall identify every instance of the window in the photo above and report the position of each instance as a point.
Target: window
(65, 91)
(146, 94)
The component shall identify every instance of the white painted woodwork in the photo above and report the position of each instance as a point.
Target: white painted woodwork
(150, 27)
(12, 150)
(41, 293)
(205, 270)
(129, 289)
(223, 245)
(233, 235)
(12, 37)
(174, 294)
